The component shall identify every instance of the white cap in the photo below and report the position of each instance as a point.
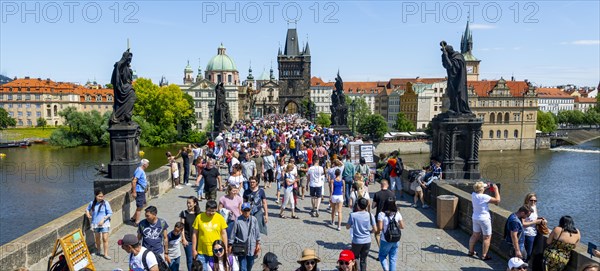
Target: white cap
(516, 262)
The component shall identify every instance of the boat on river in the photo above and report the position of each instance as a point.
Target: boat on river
(15, 144)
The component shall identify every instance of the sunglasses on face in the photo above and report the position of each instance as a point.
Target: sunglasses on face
(520, 268)
(310, 262)
(533, 200)
(343, 263)
(218, 250)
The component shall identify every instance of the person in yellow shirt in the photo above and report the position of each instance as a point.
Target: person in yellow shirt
(208, 227)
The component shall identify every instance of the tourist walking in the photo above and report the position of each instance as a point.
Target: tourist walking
(258, 201)
(359, 191)
(140, 258)
(309, 261)
(517, 264)
(482, 220)
(236, 179)
(139, 185)
(174, 246)
(152, 232)
(200, 166)
(302, 174)
(245, 238)
(248, 170)
(364, 170)
(288, 187)
(187, 217)
(395, 169)
(337, 197)
(530, 223)
(185, 157)
(379, 200)
(269, 166)
(279, 178)
(561, 241)
(346, 261)
(362, 224)
(221, 259)
(174, 170)
(270, 262)
(348, 176)
(417, 185)
(212, 181)
(99, 213)
(514, 232)
(316, 180)
(389, 224)
(232, 203)
(209, 227)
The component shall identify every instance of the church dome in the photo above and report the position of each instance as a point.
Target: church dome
(221, 62)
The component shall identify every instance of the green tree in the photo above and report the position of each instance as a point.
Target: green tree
(185, 128)
(41, 122)
(323, 119)
(82, 128)
(361, 110)
(162, 108)
(373, 125)
(546, 122)
(429, 129)
(403, 124)
(109, 86)
(592, 117)
(6, 120)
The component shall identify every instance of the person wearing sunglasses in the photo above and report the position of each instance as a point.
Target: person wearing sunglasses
(517, 263)
(221, 261)
(347, 261)
(530, 223)
(309, 260)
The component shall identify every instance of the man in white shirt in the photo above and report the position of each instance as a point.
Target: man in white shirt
(316, 179)
(136, 251)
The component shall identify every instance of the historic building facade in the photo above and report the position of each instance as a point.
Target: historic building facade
(320, 94)
(555, 100)
(294, 73)
(27, 99)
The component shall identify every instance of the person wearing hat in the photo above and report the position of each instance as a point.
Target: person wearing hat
(245, 234)
(270, 262)
(131, 245)
(309, 260)
(346, 261)
(517, 263)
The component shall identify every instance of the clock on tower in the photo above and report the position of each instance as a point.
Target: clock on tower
(469, 69)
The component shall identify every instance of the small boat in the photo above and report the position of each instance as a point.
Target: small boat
(15, 144)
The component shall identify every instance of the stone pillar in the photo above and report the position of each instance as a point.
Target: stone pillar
(124, 150)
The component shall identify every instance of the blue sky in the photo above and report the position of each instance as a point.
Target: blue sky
(549, 42)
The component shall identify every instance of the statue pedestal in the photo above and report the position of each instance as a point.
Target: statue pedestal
(124, 150)
(456, 144)
(342, 129)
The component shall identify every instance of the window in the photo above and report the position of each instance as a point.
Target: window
(435, 108)
(491, 133)
(98, 98)
(109, 98)
(229, 78)
(27, 96)
(218, 78)
(38, 114)
(506, 117)
(516, 133)
(19, 97)
(505, 133)
(28, 105)
(88, 98)
(38, 106)
(498, 134)
(499, 118)
(29, 123)
(29, 114)
(20, 114)
(20, 105)
(492, 118)
(38, 97)
(10, 97)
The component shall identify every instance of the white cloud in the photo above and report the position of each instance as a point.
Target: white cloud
(582, 42)
(482, 26)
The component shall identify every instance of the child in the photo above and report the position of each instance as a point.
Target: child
(174, 238)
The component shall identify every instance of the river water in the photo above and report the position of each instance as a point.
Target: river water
(41, 183)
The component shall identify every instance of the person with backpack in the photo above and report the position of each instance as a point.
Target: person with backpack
(348, 176)
(395, 168)
(390, 224)
(99, 213)
(379, 200)
(362, 224)
(152, 232)
(141, 258)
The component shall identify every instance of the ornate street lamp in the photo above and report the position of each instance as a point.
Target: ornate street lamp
(353, 108)
(211, 105)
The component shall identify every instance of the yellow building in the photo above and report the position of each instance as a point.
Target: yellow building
(27, 99)
(409, 104)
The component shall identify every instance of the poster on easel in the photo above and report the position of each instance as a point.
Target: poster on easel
(75, 251)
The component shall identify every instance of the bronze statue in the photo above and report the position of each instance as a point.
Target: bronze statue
(339, 109)
(222, 119)
(454, 63)
(124, 94)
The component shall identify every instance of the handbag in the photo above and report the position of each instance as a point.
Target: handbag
(241, 249)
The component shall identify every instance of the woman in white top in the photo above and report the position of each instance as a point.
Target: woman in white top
(316, 180)
(530, 224)
(288, 195)
(359, 190)
(482, 221)
(279, 173)
(236, 179)
(388, 249)
(221, 260)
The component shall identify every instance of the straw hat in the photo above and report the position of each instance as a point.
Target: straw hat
(309, 254)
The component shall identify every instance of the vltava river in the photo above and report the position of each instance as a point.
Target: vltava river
(41, 183)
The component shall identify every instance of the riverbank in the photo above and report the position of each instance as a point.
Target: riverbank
(23, 133)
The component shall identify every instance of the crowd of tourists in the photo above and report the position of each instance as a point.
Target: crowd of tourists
(301, 159)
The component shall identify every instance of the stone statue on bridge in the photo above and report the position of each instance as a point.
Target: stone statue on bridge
(339, 109)
(454, 63)
(124, 94)
(222, 119)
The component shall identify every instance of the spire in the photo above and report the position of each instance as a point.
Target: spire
(221, 49)
(306, 49)
(466, 42)
(291, 43)
(271, 76)
(188, 68)
(250, 77)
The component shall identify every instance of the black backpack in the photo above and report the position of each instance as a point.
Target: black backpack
(399, 167)
(162, 265)
(393, 233)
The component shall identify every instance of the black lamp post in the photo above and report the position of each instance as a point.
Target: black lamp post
(211, 109)
(353, 108)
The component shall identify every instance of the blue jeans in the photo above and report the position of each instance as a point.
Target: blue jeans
(188, 256)
(186, 173)
(204, 260)
(246, 185)
(246, 263)
(348, 191)
(200, 188)
(175, 264)
(388, 249)
(529, 241)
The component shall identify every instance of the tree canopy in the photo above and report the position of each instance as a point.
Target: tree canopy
(323, 119)
(361, 110)
(546, 122)
(6, 120)
(81, 128)
(403, 124)
(373, 125)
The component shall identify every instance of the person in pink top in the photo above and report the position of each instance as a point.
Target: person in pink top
(231, 203)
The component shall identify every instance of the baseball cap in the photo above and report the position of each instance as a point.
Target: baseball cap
(128, 239)
(246, 206)
(346, 255)
(270, 260)
(516, 262)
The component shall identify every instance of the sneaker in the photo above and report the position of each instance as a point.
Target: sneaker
(107, 257)
(338, 228)
(331, 222)
(178, 187)
(317, 213)
(328, 208)
(425, 206)
(414, 205)
(189, 184)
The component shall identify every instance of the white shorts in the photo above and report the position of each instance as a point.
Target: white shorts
(337, 198)
(483, 226)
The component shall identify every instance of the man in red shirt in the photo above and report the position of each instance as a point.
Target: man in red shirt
(309, 155)
(395, 179)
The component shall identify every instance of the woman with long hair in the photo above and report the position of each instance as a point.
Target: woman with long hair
(288, 195)
(560, 244)
(347, 261)
(337, 197)
(99, 213)
(309, 261)
(236, 179)
(388, 248)
(187, 217)
(221, 261)
(232, 202)
(530, 225)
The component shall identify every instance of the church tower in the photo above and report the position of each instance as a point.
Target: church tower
(188, 79)
(294, 73)
(466, 48)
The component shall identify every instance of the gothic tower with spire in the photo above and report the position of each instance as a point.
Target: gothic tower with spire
(466, 48)
(294, 73)
(187, 74)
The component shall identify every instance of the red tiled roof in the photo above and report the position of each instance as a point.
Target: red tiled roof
(317, 81)
(47, 86)
(552, 93)
(401, 82)
(483, 88)
(585, 100)
(354, 86)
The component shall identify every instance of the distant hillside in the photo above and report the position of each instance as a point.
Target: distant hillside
(4, 79)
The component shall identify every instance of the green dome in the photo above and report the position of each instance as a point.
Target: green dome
(221, 62)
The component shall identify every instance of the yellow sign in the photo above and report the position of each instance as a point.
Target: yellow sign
(75, 251)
